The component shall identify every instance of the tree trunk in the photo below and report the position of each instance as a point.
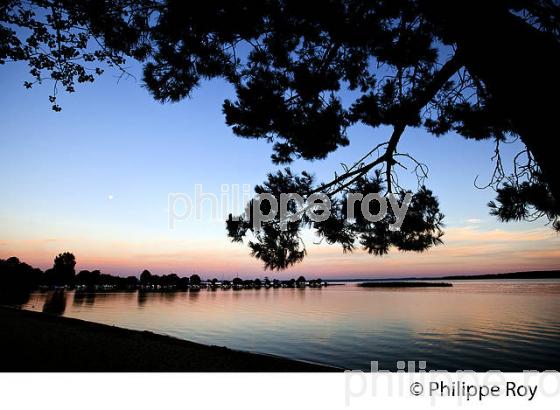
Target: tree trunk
(519, 65)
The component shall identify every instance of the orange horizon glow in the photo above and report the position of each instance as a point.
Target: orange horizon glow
(467, 250)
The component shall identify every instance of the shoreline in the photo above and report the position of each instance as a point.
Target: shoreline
(527, 275)
(390, 285)
(40, 342)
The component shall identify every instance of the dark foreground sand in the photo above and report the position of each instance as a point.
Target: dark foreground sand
(32, 341)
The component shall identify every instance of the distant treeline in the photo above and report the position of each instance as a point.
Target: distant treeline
(17, 276)
(546, 274)
(405, 285)
(551, 274)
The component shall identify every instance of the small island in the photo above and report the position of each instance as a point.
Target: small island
(405, 285)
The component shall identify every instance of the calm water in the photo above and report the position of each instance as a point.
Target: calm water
(477, 325)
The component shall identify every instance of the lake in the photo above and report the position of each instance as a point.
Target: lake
(508, 325)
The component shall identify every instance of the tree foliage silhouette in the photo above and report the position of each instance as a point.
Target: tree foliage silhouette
(62, 273)
(484, 69)
(17, 280)
(146, 277)
(195, 280)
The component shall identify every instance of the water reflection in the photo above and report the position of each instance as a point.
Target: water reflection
(194, 295)
(165, 296)
(90, 298)
(142, 297)
(55, 303)
(168, 297)
(81, 298)
(484, 325)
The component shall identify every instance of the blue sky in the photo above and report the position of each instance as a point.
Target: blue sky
(94, 179)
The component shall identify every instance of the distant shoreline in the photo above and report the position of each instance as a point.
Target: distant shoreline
(41, 342)
(551, 274)
(405, 285)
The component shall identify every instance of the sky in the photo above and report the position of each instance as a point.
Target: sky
(95, 180)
